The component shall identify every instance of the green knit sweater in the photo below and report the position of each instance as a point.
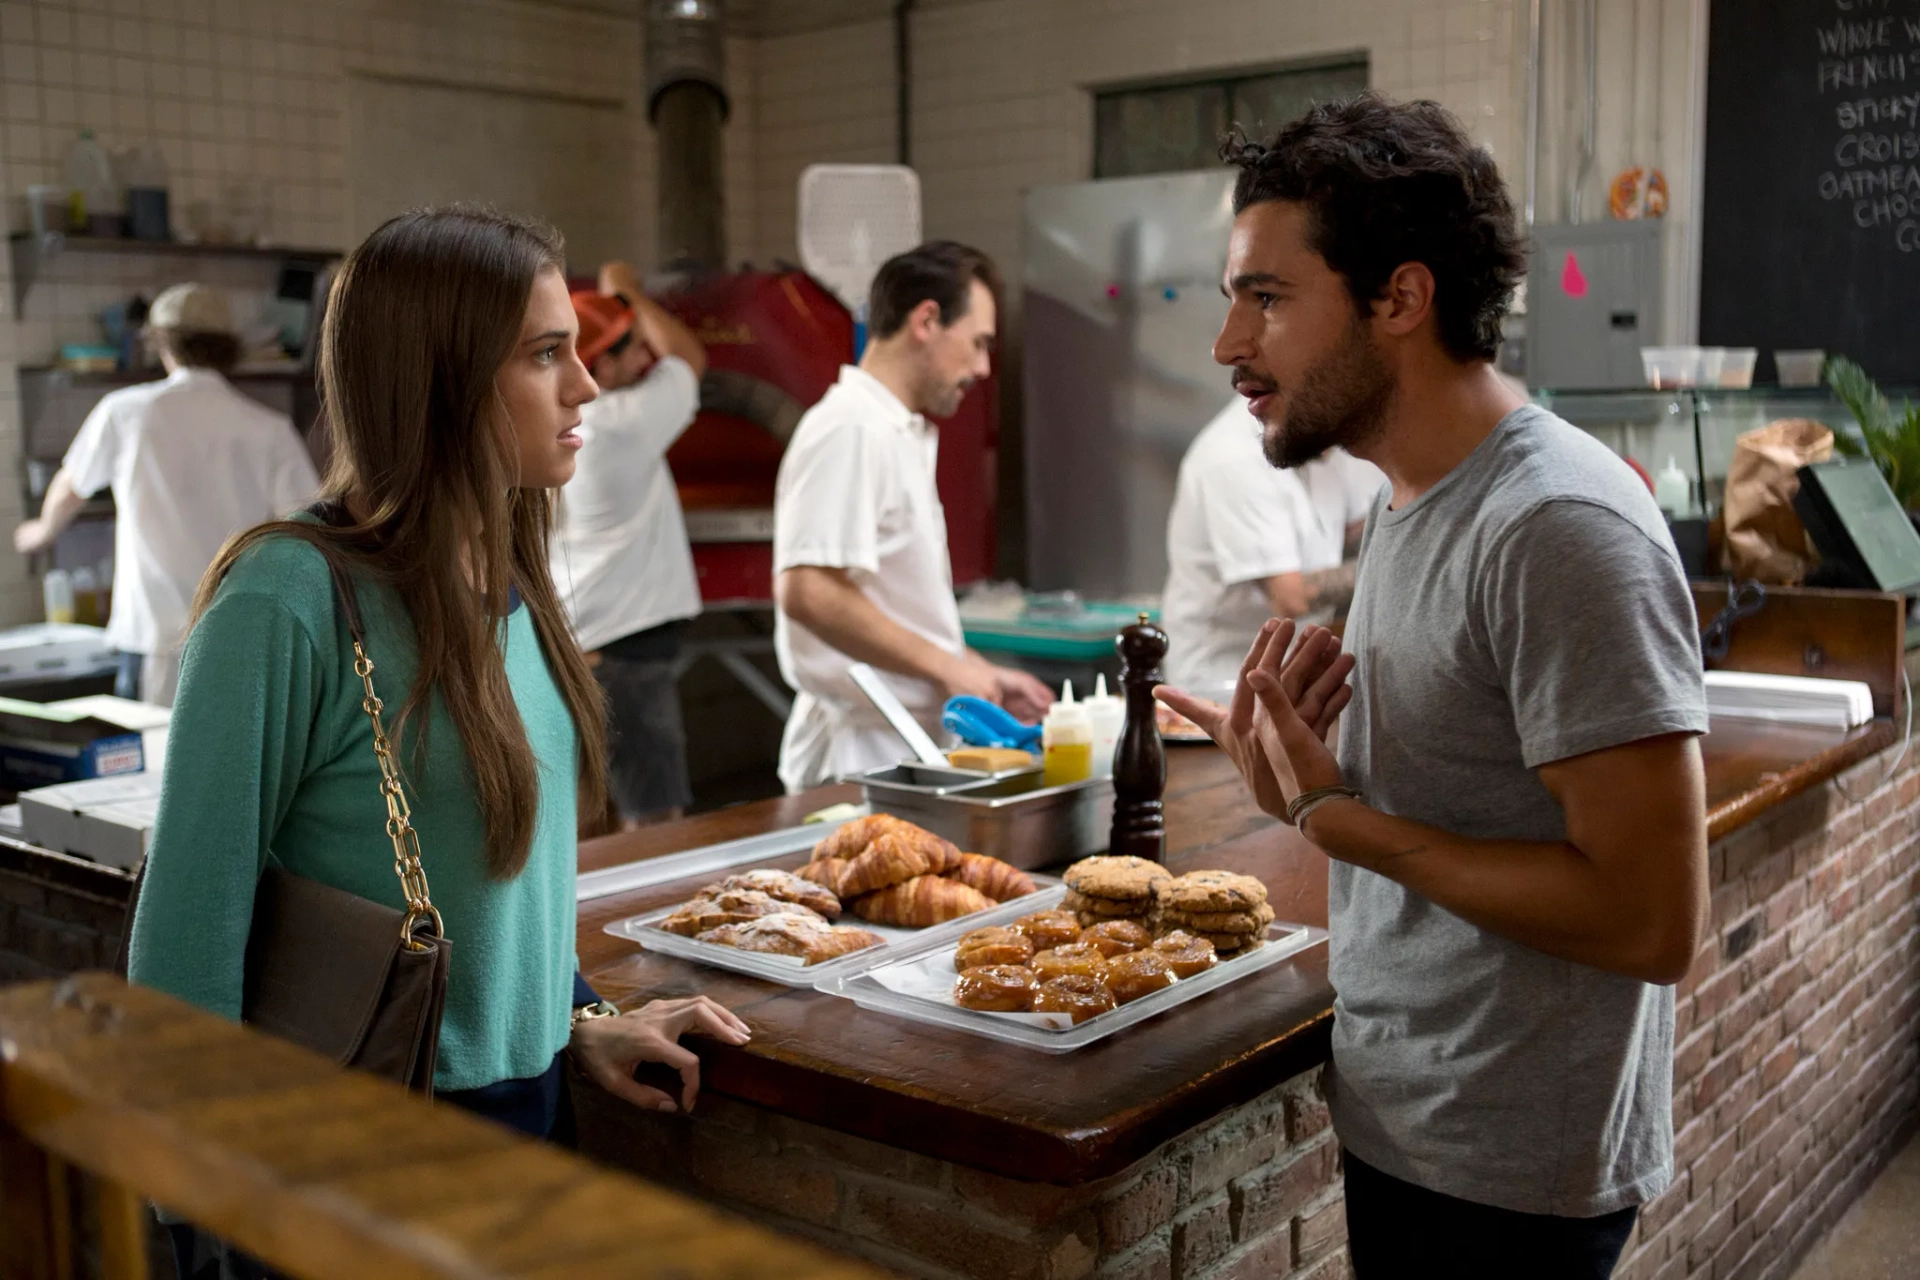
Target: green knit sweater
(271, 757)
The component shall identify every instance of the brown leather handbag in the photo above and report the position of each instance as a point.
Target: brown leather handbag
(355, 980)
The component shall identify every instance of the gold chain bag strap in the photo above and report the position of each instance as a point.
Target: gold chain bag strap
(359, 981)
(406, 841)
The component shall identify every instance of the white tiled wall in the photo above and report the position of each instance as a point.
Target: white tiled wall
(239, 91)
(236, 90)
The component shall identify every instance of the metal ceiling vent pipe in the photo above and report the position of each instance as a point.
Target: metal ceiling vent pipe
(686, 52)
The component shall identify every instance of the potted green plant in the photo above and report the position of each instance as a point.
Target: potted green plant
(1889, 439)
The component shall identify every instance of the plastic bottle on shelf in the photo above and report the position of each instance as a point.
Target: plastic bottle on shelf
(1066, 742)
(1108, 712)
(97, 206)
(145, 172)
(1672, 491)
(56, 591)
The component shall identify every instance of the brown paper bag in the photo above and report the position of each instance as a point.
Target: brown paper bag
(1765, 539)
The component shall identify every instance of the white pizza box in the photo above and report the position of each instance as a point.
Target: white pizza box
(51, 649)
(109, 820)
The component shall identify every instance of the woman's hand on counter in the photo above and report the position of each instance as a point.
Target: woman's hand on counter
(1284, 705)
(609, 1049)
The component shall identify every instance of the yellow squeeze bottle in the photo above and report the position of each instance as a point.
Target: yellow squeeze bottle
(1066, 738)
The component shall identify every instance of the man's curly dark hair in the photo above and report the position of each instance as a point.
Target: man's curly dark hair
(1387, 183)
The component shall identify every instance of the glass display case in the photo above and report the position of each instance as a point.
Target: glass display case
(1695, 427)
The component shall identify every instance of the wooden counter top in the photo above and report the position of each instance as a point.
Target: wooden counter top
(1076, 1117)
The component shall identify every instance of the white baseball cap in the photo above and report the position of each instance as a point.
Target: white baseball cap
(191, 308)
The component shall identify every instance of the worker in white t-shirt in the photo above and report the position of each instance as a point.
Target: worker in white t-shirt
(621, 560)
(860, 538)
(1247, 541)
(191, 462)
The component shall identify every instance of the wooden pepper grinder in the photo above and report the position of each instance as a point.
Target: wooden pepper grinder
(1139, 761)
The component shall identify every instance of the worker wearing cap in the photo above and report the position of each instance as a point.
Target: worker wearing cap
(191, 461)
(621, 560)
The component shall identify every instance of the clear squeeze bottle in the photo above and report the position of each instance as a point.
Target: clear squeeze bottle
(1066, 739)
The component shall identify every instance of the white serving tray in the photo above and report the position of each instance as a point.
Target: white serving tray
(713, 859)
(789, 970)
(862, 984)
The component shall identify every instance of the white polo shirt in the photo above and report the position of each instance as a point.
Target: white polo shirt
(1237, 520)
(856, 492)
(191, 462)
(620, 559)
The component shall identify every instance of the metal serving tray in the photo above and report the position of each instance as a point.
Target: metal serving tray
(788, 970)
(1013, 816)
(862, 985)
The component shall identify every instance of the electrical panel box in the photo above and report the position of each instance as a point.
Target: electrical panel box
(1593, 300)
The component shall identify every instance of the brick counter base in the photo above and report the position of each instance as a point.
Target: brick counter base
(57, 914)
(1796, 1072)
(1252, 1195)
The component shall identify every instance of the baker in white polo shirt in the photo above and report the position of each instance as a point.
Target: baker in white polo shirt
(1247, 541)
(860, 539)
(191, 462)
(620, 559)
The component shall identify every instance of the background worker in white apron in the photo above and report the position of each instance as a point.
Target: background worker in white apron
(191, 462)
(1247, 541)
(861, 572)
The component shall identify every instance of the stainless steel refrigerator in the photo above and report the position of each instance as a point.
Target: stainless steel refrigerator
(1122, 302)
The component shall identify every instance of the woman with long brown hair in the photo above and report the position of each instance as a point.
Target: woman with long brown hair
(451, 391)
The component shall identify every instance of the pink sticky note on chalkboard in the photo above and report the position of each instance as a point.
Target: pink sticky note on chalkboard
(1572, 279)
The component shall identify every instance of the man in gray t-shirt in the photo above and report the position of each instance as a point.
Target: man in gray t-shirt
(1516, 814)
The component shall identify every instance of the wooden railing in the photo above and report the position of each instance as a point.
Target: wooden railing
(111, 1096)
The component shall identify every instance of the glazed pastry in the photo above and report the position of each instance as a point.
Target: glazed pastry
(1076, 994)
(1117, 937)
(785, 887)
(1049, 928)
(997, 988)
(711, 909)
(894, 857)
(1000, 881)
(808, 937)
(921, 901)
(1075, 957)
(1138, 973)
(1186, 954)
(992, 946)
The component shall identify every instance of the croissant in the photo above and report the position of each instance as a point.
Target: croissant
(893, 857)
(857, 836)
(784, 935)
(785, 887)
(853, 837)
(1000, 881)
(714, 907)
(921, 901)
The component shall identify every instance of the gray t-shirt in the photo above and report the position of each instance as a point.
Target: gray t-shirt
(1528, 608)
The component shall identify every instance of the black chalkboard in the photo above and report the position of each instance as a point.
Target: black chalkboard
(1811, 215)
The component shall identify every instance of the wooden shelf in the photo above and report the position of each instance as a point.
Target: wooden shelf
(30, 252)
(57, 242)
(129, 378)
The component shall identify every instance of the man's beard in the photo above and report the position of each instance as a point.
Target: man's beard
(942, 399)
(1341, 401)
